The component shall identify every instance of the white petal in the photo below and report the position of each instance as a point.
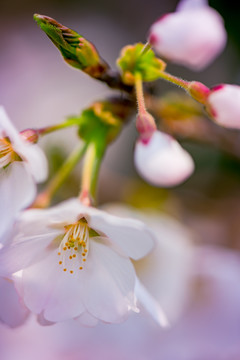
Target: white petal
(21, 254)
(7, 128)
(17, 190)
(151, 305)
(35, 160)
(87, 320)
(109, 281)
(224, 105)
(162, 161)
(132, 236)
(47, 289)
(12, 311)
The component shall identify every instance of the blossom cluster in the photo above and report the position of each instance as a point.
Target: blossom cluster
(74, 260)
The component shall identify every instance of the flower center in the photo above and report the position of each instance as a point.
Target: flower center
(73, 249)
(7, 154)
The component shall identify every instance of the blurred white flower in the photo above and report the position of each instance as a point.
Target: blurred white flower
(162, 161)
(75, 262)
(223, 104)
(21, 166)
(193, 36)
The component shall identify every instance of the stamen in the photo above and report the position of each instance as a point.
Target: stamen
(74, 246)
(7, 153)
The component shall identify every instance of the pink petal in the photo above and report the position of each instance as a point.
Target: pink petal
(162, 161)
(108, 284)
(193, 37)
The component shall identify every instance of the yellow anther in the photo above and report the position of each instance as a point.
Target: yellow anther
(59, 253)
(85, 250)
(74, 255)
(64, 248)
(80, 268)
(65, 269)
(84, 259)
(70, 257)
(71, 271)
(60, 262)
(83, 254)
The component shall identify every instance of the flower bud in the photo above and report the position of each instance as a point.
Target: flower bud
(145, 125)
(223, 105)
(192, 36)
(162, 161)
(30, 135)
(75, 49)
(198, 91)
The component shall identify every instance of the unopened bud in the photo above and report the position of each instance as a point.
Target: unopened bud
(198, 91)
(75, 49)
(30, 135)
(145, 125)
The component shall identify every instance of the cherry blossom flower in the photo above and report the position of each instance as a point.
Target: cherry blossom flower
(162, 161)
(74, 262)
(223, 104)
(192, 36)
(21, 166)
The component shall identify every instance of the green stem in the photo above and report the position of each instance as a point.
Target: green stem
(139, 93)
(174, 80)
(145, 49)
(44, 198)
(49, 129)
(90, 173)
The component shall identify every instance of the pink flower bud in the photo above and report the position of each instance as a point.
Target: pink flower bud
(162, 161)
(192, 36)
(223, 104)
(198, 91)
(30, 135)
(145, 125)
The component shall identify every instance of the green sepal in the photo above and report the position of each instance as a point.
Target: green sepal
(98, 124)
(75, 49)
(134, 60)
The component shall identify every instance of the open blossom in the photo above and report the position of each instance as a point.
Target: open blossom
(223, 104)
(192, 36)
(74, 261)
(21, 166)
(162, 161)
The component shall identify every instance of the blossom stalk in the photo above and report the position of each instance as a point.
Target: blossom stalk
(91, 167)
(44, 198)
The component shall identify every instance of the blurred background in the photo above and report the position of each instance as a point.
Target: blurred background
(37, 89)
